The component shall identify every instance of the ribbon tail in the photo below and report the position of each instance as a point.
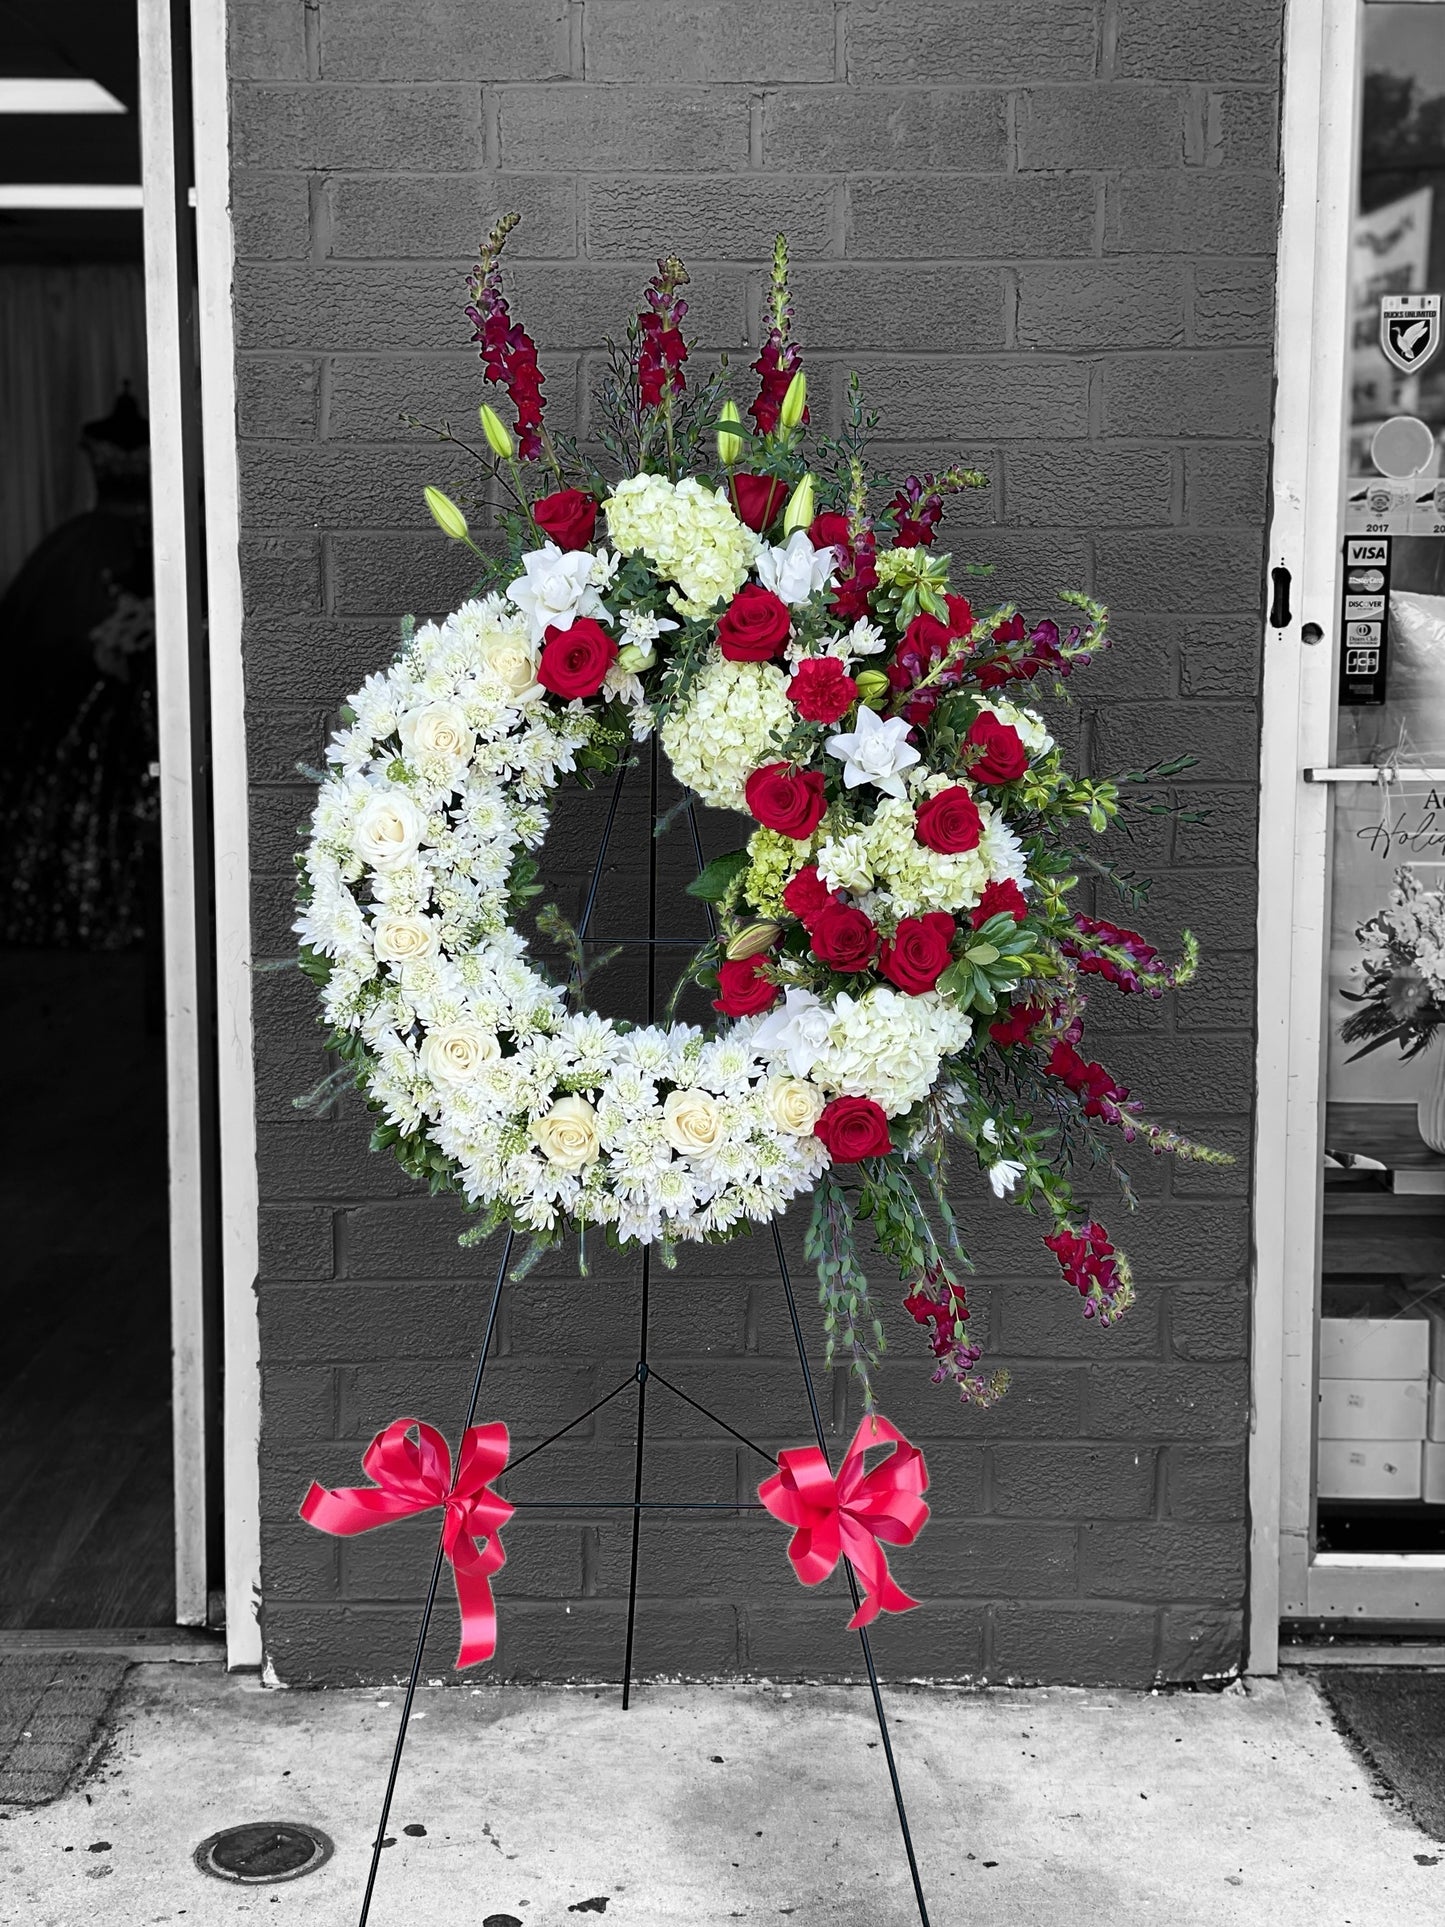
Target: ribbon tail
(881, 1591)
(344, 1510)
(472, 1571)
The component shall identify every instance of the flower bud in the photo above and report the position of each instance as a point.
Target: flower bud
(729, 444)
(445, 513)
(499, 436)
(873, 688)
(632, 658)
(800, 509)
(751, 940)
(794, 401)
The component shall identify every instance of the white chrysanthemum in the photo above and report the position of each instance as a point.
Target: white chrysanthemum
(689, 533)
(735, 715)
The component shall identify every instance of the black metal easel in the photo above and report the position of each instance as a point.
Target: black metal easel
(641, 1376)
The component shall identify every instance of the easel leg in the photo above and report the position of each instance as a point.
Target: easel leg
(853, 1586)
(637, 1475)
(431, 1599)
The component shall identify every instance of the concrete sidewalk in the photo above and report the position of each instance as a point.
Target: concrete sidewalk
(705, 1805)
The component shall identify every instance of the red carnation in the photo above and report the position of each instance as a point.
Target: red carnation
(1000, 898)
(919, 953)
(575, 661)
(852, 1128)
(806, 893)
(569, 517)
(830, 531)
(842, 937)
(822, 691)
(787, 799)
(757, 499)
(754, 626)
(742, 991)
(949, 822)
(1000, 757)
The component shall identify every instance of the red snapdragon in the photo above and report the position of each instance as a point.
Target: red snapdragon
(509, 354)
(660, 347)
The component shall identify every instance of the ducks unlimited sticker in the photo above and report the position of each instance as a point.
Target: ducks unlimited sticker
(1363, 618)
(1409, 329)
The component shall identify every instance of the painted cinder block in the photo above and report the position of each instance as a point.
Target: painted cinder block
(1048, 250)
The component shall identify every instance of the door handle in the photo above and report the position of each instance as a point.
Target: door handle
(1279, 610)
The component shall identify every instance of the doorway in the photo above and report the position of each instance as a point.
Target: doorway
(109, 1518)
(1348, 1455)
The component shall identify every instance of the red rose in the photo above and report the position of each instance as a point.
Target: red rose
(569, 517)
(1002, 757)
(787, 799)
(806, 893)
(999, 899)
(575, 661)
(852, 1128)
(741, 991)
(822, 691)
(757, 499)
(842, 937)
(754, 626)
(919, 953)
(949, 822)
(830, 531)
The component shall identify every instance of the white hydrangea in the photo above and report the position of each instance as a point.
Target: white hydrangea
(888, 1046)
(689, 533)
(734, 716)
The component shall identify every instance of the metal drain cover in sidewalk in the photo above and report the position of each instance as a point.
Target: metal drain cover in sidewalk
(264, 1851)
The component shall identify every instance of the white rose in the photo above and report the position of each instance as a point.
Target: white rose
(437, 729)
(398, 939)
(793, 1105)
(454, 1053)
(389, 830)
(510, 660)
(692, 1122)
(567, 1135)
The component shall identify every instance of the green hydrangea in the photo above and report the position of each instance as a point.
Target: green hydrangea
(775, 858)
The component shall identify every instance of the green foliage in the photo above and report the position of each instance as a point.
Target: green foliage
(719, 877)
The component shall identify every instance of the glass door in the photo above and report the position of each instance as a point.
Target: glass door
(1378, 1526)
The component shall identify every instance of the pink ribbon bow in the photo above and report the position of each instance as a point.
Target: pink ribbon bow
(848, 1515)
(414, 1475)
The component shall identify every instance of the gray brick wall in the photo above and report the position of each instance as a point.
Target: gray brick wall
(1044, 234)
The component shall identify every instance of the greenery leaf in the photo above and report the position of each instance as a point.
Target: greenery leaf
(719, 876)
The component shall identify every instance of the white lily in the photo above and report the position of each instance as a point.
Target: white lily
(798, 1032)
(556, 588)
(876, 751)
(797, 570)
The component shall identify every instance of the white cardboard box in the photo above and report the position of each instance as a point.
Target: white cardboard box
(1435, 1420)
(1373, 1408)
(1433, 1468)
(1369, 1469)
(1375, 1347)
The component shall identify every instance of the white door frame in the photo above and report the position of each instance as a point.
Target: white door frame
(163, 199)
(171, 510)
(235, 1075)
(1319, 142)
